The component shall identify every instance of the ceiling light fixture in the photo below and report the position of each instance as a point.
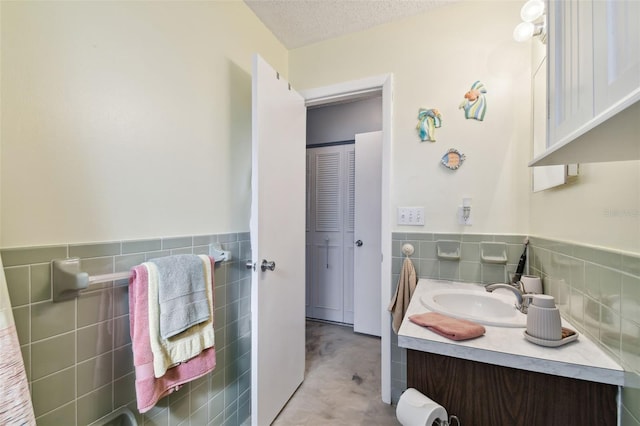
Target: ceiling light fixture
(534, 22)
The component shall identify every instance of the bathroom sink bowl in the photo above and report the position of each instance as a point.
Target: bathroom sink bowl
(484, 308)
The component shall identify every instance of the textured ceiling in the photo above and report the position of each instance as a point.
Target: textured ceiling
(297, 23)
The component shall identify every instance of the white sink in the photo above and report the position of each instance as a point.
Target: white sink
(484, 308)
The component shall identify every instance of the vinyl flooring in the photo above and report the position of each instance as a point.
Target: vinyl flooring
(342, 381)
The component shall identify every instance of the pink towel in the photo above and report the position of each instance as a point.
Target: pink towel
(149, 390)
(451, 328)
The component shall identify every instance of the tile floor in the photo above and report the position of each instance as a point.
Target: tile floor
(342, 381)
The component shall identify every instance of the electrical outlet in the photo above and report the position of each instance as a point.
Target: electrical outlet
(461, 219)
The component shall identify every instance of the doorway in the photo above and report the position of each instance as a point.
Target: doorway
(342, 156)
(343, 92)
(274, 101)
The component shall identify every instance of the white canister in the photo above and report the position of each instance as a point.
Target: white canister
(531, 284)
(543, 318)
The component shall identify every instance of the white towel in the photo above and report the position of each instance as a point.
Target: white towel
(15, 400)
(404, 292)
(189, 343)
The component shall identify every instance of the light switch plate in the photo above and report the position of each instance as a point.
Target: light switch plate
(411, 216)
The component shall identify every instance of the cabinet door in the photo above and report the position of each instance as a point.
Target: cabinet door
(570, 67)
(616, 38)
(543, 177)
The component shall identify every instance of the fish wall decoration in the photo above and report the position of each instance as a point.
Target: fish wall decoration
(428, 121)
(453, 159)
(475, 104)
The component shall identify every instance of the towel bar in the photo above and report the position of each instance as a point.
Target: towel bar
(67, 279)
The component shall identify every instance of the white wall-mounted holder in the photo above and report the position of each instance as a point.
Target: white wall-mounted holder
(67, 280)
(448, 250)
(218, 254)
(493, 252)
(407, 249)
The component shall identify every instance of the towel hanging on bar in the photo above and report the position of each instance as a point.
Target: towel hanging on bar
(404, 291)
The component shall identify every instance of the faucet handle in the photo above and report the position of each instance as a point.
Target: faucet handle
(526, 301)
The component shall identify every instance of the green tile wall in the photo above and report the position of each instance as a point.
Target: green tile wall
(78, 353)
(598, 291)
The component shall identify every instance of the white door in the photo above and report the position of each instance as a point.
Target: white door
(349, 229)
(368, 250)
(277, 235)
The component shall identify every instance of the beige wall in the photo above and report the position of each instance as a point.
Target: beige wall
(434, 59)
(125, 120)
(600, 208)
(131, 120)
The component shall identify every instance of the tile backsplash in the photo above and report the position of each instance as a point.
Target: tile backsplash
(78, 355)
(597, 290)
(469, 268)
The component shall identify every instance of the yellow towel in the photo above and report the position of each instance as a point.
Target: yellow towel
(404, 291)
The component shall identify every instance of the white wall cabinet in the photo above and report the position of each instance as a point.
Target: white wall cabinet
(594, 81)
(616, 44)
(570, 67)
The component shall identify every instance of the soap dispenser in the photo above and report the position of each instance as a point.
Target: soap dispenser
(543, 318)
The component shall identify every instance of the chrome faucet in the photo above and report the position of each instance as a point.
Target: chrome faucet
(522, 303)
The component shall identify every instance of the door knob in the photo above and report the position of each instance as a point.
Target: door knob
(359, 243)
(267, 265)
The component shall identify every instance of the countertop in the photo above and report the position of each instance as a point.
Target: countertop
(507, 347)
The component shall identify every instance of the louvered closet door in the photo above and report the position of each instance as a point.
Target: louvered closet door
(308, 240)
(326, 234)
(348, 237)
(330, 230)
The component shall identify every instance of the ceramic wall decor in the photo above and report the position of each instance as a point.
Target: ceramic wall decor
(475, 104)
(428, 121)
(453, 159)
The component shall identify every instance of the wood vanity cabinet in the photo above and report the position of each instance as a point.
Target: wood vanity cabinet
(481, 394)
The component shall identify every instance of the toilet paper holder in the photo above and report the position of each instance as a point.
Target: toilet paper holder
(449, 422)
(417, 409)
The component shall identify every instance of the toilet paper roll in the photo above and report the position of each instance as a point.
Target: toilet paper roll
(416, 409)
